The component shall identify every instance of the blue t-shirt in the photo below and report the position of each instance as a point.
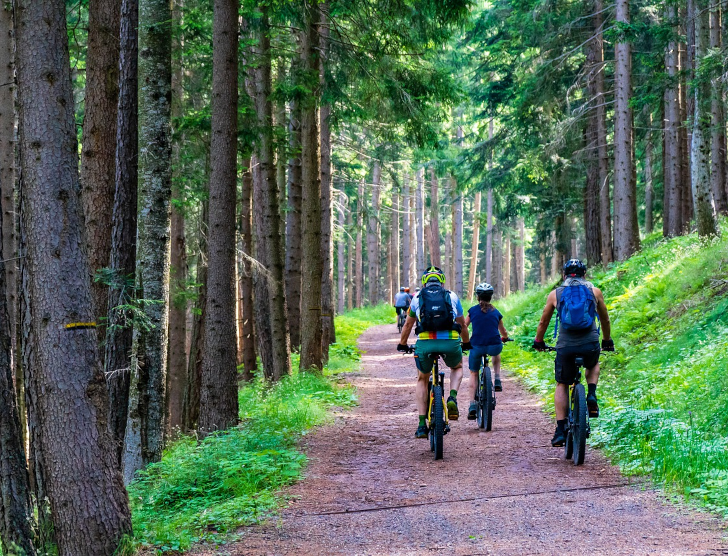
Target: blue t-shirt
(485, 326)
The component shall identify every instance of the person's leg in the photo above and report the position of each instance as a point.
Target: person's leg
(456, 378)
(565, 369)
(592, 375)
(561, 401)
(421, 393)
(424, 367)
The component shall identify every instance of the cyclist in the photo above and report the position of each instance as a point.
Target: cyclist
(440, 325)
(401, 302)
(577, 303)
(489, 333)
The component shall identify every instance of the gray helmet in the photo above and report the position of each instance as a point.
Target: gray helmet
(401, 288)
(485, 287)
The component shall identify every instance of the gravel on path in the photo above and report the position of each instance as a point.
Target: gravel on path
(372, 488)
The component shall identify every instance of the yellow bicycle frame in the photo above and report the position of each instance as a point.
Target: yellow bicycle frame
(432, 396)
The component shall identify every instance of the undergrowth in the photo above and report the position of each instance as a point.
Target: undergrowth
(204, 491)
(664, 394)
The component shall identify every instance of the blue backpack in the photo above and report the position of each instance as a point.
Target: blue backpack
(576, 308)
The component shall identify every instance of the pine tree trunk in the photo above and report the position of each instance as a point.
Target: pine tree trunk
(649, 188)
(434, 220)
(373, 236)
(119, 332)
(605, 202)
(293, 228)
(394, 244)
(420, 220)
(271, 224)
(497, 261)
(489, 238)
(350, 256)
(476, 244)
(146, 421)
(415, 248)
(193, 382)
(98, 152)
(312, 267)
(89, 504)
(689, 193)
(358, 258)
(447, 264)
(246, 275)
(457, 244)
(521, 255)
(672, 223)
(507, 264)
(700, 154)
(407, 244)
(340, 258)
(626, 233)
(177, 373)
(592, 222)
(219, 392)
(717, 124)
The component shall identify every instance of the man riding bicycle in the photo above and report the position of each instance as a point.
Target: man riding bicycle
(440, 325)
(577, 303)
(402, 301)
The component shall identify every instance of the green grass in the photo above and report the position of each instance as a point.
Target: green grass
(204, 491)
(664, 394)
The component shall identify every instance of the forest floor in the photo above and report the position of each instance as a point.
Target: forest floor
(372, 488)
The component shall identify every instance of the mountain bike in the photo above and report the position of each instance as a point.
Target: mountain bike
(438, 422)
(485, 395)
(577, 426)
(400, 319)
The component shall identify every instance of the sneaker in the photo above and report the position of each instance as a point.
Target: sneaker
(498, 385)
(591, 403)
(452, 409)
(559, 438)
(422, 431)
(472, 411)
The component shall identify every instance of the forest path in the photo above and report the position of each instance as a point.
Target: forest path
(372, 488)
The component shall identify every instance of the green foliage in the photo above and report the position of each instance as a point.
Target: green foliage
(206, 490)
(664, 394)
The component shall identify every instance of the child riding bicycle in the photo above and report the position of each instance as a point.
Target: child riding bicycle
(488, 336)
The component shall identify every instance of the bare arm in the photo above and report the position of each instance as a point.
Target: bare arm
(603, 314)
(406, 329)
(464, 332)
(467, 320)
(548, 312)
(502, 329)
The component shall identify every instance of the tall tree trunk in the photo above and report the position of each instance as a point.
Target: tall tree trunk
(293, 228)
(649, 188)
(98, 150)
(507, 263)
(271, 222)
(489, 238)
(457, 244)
(340, 264)
(177, 373)
(476, 243)
(350, 255)
(119, 332)
(394, 244)
(626, 233)
(406, 274)
(311, 310)
(717, 124)
(246, 274)
(219, 392)
(434, 220)
(592, 220)
(83, 473)
(358, 257)
(420, 220)
(497, 261)
(521, 255)
(145, 425)
(193, 382)
(701, 146)
(373, 236)
(688, 193)
(672, 223)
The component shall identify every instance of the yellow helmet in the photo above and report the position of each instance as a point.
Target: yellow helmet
(431, 274)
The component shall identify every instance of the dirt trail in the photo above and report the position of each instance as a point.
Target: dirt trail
(372, 488)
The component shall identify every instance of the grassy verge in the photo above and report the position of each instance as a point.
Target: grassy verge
(664, 395)
(204, 491)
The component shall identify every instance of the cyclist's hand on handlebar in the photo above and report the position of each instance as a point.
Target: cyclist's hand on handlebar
(608, 345)
(467, 346)
(539, 345)
(506, 339)
(404, 348)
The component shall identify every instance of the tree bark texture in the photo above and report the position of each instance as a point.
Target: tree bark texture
(271, 225)
(177, 373)
(246, 274)
(293, 228)
(122, 260)
(406, 274)
(506, 263)
(435, 257)
(420, 220)
(457, 243)
(672, 223)
(476, 244)
(649, 188)
(489, 238)
(395, 281)
(89, 505)
(219, 394)
(340, 261)
(626, 232)
(717, 121)
(592, 215)
(689, 193)
(358, 256)
(98, 152)
(605, 204)
(700, 149)
(328, 334)
(373, 236)
(497, 282)
(146, 420)
(350, 255)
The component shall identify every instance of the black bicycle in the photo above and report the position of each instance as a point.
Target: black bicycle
(485, 395)
(400, 319)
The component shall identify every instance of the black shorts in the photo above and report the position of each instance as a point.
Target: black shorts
(565, 364)
(401, 309)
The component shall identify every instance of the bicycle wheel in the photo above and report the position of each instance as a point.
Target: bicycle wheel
(437, 426)
(430, 415)
(569, 444)
(486, 399)
(579, 425)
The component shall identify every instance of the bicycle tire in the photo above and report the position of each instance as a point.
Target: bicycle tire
(579, 426)
(480, 405)
(488, 399)
(569, 444)
(437, 428)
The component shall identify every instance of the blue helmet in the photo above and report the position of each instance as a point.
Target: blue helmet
(574, 267)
